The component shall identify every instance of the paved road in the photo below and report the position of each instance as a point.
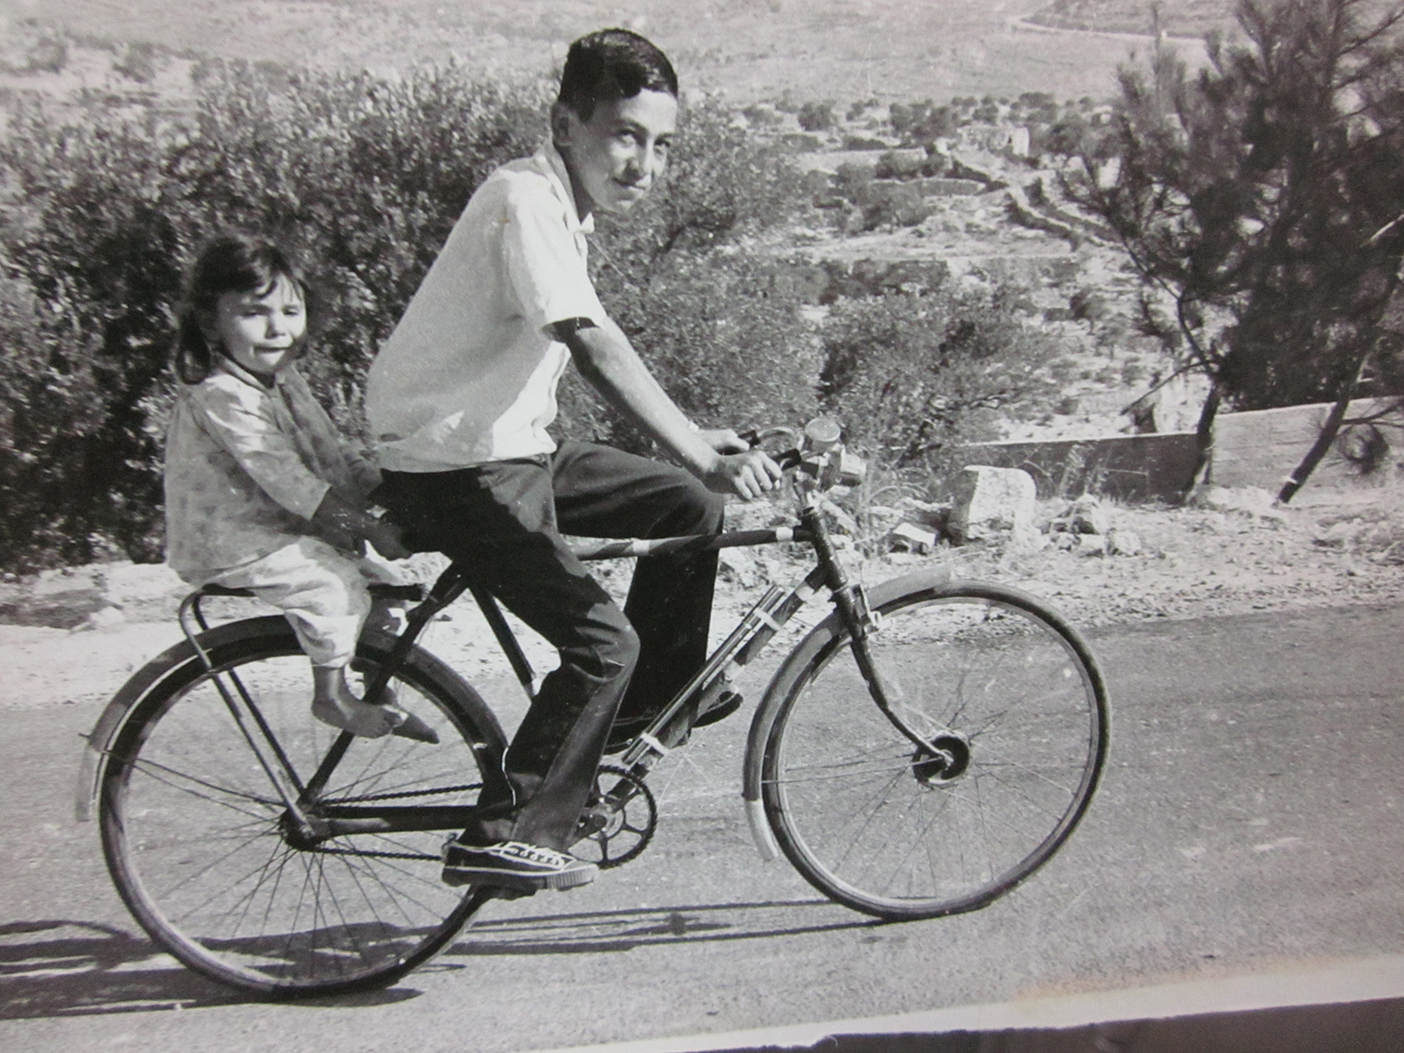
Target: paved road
(1249, 822)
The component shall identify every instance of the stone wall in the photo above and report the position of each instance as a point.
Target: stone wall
(1260, 448)
(1152, 467)
(1253, 449)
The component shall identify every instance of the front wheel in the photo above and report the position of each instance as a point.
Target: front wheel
(1011, 716)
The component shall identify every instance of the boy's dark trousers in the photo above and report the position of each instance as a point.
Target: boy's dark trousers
(503, 522)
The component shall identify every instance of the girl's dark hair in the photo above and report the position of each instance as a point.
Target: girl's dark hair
(613, 64)
(231, 263)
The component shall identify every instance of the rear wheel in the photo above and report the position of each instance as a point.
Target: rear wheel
(1011, 713)
(202, 849)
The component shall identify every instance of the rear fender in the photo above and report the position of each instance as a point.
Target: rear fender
(99, 740)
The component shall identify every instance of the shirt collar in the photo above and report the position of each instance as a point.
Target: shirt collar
(553, 165)
(238, 372)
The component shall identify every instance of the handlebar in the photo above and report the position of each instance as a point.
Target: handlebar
(818, 452)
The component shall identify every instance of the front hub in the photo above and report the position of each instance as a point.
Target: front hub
(943, 761)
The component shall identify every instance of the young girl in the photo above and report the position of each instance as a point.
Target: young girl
(261, 491)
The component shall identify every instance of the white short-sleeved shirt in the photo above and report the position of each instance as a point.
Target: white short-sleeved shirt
(247, 466)
(469, 375)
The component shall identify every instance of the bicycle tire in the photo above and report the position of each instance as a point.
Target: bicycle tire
(879, 825)
(192, 835)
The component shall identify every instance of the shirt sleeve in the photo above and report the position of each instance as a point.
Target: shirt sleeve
(544, 265)
(352, 469)
(242, 421)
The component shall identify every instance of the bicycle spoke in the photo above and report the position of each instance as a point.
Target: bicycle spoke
(150, 768)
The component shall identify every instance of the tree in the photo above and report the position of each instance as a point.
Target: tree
(1256, 197)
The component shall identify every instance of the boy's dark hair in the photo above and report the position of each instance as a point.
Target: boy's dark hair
(230, 263)
(613, 64)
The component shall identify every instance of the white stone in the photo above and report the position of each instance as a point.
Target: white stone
(1124, 542)
(1091, 545)
(912, 538)
(990, 502)
(741, 566)
(1089, 516)
(105, 618)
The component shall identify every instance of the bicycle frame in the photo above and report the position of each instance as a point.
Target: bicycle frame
(765, 618)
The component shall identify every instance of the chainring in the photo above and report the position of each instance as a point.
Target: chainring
(618, 821)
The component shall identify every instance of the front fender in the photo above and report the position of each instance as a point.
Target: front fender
(99, 741)
(877, 595)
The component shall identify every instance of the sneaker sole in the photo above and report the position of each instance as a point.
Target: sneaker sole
(456, 876)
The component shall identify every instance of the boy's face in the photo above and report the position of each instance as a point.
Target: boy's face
(617, 155)
(261, 330)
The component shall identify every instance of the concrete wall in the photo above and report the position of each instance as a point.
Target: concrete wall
(1260, 448)
(1151, 467)
(1257, 448)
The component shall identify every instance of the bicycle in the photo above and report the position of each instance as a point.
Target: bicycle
(925, 747)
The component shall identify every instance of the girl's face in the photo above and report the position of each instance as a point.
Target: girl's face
(261, 331)
(620, 152)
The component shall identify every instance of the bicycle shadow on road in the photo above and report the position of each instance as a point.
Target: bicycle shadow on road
(625, 930)
(57, 968)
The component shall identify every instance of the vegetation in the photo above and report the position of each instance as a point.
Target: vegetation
(915, 376)
(1259, 199)
(101, 205)
(104, 207)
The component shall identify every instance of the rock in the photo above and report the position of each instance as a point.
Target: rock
(1123, 542)
(1251, 499)
(908, 537)
(741, 566)
(1088, 516)
(143, 591)
(1091, 545)
(55, 599)
(990, 502)
(105, 618)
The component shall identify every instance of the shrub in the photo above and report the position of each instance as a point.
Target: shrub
(923, 122)
(915, 376)
(816, 116)
(364, 176)
(892, 165)
(892, 204)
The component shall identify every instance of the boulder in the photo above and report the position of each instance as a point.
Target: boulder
(1253, 500)
(1088, 516)
(1091, 545)
(908, 537)
(994, 503)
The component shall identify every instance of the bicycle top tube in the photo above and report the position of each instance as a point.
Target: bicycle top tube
(590, 549)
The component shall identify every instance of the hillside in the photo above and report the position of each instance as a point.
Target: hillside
(840, 49)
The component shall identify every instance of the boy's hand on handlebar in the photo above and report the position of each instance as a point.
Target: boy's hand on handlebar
(748, 475)
(723, 440)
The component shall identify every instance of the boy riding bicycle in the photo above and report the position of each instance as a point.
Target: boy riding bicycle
(458, 402)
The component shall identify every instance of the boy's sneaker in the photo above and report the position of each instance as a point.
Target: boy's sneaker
(514, 865)
(725, 704)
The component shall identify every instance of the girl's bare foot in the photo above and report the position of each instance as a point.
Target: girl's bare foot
(358, 717)
(334, 703)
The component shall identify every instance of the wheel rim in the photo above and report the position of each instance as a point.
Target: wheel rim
(1014, 722)
(201, 849)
